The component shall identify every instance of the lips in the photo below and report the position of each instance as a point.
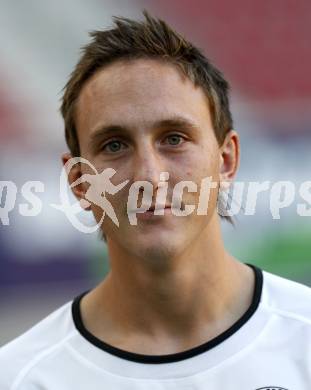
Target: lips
(152, 208)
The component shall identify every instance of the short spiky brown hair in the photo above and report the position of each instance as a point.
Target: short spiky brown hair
(151, 38)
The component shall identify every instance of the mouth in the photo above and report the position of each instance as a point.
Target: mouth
(152, 213)
(152, 208)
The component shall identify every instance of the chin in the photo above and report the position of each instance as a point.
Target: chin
(158, 247)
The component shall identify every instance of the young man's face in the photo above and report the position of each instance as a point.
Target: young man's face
(158, 122)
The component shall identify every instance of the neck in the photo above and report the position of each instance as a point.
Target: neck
(193, 296)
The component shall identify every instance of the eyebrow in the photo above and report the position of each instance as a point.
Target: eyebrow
(175, 122)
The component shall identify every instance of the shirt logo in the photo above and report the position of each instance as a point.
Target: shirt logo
(271, 388)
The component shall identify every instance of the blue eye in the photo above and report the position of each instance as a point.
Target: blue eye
(113, 146)
(174, 139)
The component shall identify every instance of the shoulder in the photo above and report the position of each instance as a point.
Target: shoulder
(20, 355)
(287, 298)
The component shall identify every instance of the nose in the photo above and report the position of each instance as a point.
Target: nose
(147, 164)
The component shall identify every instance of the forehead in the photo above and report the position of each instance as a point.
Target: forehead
(135, 93)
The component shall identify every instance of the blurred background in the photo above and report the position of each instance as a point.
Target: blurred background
(264, 50)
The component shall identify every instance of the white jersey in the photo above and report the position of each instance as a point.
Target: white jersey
(269, 347)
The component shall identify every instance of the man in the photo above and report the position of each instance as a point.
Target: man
(176, 310)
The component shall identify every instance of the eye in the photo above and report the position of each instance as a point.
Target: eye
(113, 146)
(174, 139)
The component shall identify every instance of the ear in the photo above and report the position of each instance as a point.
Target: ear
(229, 158)
(74, 174)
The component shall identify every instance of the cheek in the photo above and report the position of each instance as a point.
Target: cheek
(118, 203)
(205, 156)
(198, 168)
